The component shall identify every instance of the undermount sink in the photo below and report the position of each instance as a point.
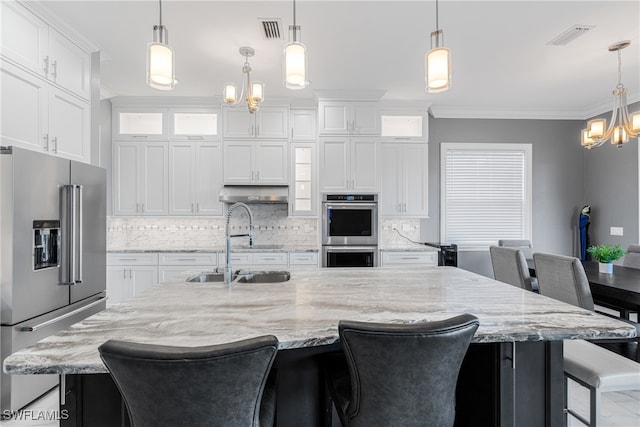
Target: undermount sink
(207, 277)
(264, 277)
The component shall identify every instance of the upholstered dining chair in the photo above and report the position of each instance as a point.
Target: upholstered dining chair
(598, 369)
(218, 385)
(632, 258)
(399, 374)
(523, 245)
(510, 266)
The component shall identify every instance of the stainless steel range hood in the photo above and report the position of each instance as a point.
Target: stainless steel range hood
(254, 194)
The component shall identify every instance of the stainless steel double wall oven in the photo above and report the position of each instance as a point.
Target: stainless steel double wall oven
(349, 230)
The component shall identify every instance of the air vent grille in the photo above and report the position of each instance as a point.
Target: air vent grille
(571, 34)
(271, 28)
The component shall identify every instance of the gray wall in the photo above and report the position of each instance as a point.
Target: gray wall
(611, 188)
(558, 172)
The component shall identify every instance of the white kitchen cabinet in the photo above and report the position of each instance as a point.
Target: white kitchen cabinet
(194, 124)
(172, 266)
(404, 179)
(69, 126)
(39, 116)
(30, 42)
(140, 178)
(129, 274)
(140, 123)
(303, 125)
(302, 260)
(348, 164)
(303, 193)
(349, 118)
(403, 259)
(195, 178)
(255, 162)
(266, 123)
(255, 260)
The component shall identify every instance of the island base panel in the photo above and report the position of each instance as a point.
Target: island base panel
(492, 389)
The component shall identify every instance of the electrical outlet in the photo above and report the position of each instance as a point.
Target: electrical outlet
(394, 226)
(616, 231)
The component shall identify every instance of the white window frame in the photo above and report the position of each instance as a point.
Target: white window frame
(445, 147)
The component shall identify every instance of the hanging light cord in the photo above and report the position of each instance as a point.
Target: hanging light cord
(294, 13)
(437, 26)
(160, 3)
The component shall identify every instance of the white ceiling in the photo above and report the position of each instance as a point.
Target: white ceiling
(502, 66)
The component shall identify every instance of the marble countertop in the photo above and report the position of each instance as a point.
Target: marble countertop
(415, 248)
(305, 311)
(244, 248)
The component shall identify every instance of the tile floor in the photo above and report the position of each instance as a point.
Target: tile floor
(618, 409)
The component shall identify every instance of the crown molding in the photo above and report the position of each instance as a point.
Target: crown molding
(349, 95)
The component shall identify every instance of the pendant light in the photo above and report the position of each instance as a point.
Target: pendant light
(295, 58)
(437, 62)
(160, 59)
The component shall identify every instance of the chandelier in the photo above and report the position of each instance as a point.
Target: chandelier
(160, 59)
(622, 125)
(437, 62)
(254, 91)
(295, 59)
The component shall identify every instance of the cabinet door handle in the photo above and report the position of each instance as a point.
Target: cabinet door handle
(54, 144)
(45, 145)
(257, 130)
(192, 208)
(45, 66)
(130, 273)
(187, 259)
(195, 137)
(124, 273)
(291, 133)
(257, 175)
(197, 207)
(142, 207)
(54, 69)
(139, 136)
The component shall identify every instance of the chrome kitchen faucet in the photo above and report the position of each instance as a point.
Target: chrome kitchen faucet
(228, 274)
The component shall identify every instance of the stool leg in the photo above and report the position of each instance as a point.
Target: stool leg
(595, 408)
(567, 399)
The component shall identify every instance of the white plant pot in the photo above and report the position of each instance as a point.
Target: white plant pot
(605, 267)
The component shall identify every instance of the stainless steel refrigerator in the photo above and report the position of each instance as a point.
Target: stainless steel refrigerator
(52, 256)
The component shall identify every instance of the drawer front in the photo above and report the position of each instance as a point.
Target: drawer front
(132, 258)
(303, 258)
(173, 273)
(407, 258)
(270, 258)
(178, 258)
(239, 258)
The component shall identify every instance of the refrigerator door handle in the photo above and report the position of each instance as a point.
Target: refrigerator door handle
(34, 328)
(71, 214)
(79, 247)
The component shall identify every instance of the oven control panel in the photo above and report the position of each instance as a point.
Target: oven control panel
(350, 198)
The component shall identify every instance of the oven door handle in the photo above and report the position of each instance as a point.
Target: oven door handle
(350, 205)
(350, 249)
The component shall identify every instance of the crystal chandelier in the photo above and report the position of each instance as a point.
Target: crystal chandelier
(622, 125)
(254, 90)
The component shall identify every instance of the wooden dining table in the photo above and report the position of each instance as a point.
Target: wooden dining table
(619, 291)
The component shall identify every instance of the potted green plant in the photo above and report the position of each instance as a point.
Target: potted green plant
(605, 255)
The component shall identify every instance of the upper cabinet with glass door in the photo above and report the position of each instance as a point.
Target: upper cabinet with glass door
(404, 126)
(194, 124)
(156, 123)
(143, 123)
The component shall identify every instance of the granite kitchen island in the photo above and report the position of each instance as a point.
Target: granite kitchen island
(512, 373)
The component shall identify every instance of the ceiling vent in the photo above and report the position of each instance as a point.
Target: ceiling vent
(271, 28)
(571, 34)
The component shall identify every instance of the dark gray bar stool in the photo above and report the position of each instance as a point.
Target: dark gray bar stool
(399, 374)
(218, 385)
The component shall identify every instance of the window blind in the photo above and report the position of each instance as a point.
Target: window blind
(486, 193)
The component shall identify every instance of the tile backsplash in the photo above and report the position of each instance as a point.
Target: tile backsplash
(270, 222)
